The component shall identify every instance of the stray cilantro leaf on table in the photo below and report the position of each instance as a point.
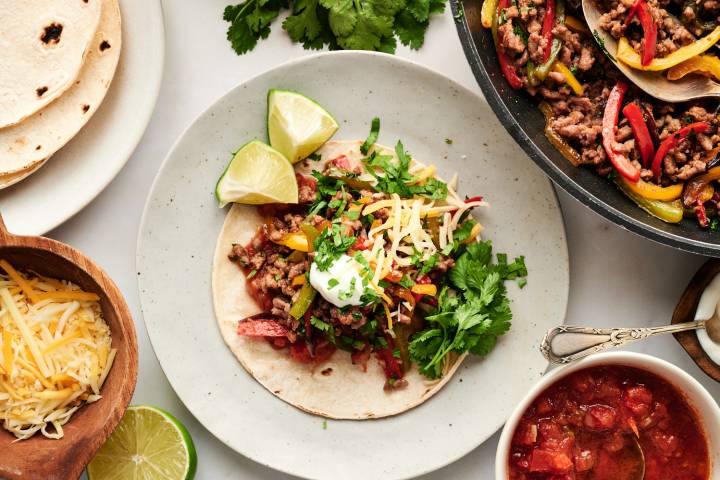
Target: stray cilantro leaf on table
(339, 24)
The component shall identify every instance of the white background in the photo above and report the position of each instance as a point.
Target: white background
(617, 278)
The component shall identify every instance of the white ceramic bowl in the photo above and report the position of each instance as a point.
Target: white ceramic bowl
(699, 398)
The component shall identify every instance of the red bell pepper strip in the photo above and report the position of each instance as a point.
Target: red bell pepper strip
(506, 64)
(671, 142)
(643, 140)
(477, 198)
(610, 119)
(261, 328)
(547, 28)
(642, 10)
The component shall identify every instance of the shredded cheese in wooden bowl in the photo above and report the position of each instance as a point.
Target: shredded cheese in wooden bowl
(55, 352)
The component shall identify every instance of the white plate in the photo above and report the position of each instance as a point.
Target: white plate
(182, 220)
(85, 166)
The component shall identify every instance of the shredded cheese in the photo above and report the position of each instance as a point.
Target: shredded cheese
(55, 355)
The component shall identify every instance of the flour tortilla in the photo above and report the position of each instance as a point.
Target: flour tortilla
(27, 145)
(347, 392)
(44, 44)
(9, 179)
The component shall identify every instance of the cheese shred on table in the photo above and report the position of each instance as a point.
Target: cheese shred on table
(55, 352)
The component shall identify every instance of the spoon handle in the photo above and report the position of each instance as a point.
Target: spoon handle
(566, 343)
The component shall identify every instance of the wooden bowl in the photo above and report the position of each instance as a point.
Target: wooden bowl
(685, 312)
(42, 458)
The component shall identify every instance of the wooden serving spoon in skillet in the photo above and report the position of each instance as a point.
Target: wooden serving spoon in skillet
(653, 83)
(42, 458)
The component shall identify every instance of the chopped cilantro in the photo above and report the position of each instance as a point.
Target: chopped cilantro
(324, 425)
(319, 324)
(449, 141)
(406, 282)
(429, 264)
(252, 274)
(353, 214)
(330, 245)
(715, 225)
(332, 283)
(395, 177)
(314, 157)
(372, 137)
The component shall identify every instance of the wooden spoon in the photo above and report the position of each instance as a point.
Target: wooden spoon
(653, 83)
(42, 458)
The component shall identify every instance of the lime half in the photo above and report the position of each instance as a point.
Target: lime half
(148, 444)
(257, 174)
(297, 126)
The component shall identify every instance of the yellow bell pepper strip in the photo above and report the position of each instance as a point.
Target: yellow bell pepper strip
(705, 64)
(654, 192)
(296, 241)
(670, 212)
(565, 149)
(299, 280)
(631, 58)
(569, 78)
(487, 11)
(576, 25)
(424, 289)
(302, 303)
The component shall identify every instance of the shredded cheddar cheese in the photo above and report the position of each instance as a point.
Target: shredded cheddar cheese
(55, 354)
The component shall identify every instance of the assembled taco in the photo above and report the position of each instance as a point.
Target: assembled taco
(352, 303)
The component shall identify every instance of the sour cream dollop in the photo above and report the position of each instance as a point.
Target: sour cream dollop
(341, 284)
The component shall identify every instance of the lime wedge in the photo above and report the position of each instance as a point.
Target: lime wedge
(297, 126)
(257, 174)
(148, 444)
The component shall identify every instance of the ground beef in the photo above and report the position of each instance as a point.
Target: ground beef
(242, 257)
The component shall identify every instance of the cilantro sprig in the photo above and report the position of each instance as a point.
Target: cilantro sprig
(472, 312)
(339, 24)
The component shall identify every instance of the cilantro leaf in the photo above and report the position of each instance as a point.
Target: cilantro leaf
(395, 177)
(330, 245)
(372, 136)
(250, 21)
(304, 24)
(472, 312)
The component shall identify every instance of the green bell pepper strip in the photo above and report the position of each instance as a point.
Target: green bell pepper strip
(303, 301)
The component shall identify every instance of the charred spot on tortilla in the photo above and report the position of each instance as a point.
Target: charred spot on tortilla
(51, 34)
(85, 108)
(41, 91)
(327, 371)
(104, 45)
(38, 147)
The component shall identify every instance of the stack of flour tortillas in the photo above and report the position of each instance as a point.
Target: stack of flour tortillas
(58, 60)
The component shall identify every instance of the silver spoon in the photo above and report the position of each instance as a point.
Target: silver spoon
(653, 83)
(566, 343)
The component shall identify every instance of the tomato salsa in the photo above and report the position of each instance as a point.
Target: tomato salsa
(579, 428)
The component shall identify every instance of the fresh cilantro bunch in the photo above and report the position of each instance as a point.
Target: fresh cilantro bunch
(472, 312)
(339, 24)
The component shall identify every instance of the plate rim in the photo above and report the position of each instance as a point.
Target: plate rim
(165, 165)
(153, 9)
(574, 189)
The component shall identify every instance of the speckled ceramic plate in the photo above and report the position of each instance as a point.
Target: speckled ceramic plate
(182, 221)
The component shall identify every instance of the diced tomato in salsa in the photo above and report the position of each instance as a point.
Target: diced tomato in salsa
(581, 427)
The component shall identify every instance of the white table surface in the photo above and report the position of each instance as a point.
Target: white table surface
(617, 278)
